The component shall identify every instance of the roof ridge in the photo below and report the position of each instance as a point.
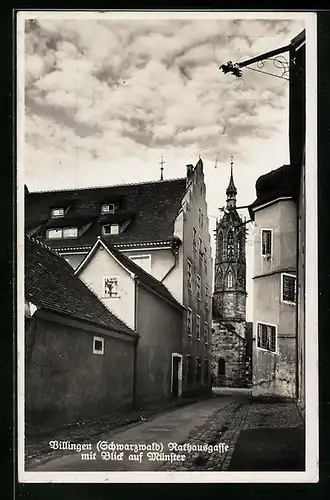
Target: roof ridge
(108, 186)
(42, 244)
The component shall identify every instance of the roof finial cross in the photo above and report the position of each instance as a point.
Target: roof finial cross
(161, 163)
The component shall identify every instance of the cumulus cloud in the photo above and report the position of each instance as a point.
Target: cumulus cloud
(101, 90)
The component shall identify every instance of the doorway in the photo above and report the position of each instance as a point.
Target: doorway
(176, 376)
(221, 371)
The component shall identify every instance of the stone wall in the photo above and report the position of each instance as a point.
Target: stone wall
(229, 355)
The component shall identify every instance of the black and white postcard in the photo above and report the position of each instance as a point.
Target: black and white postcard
(167, 246)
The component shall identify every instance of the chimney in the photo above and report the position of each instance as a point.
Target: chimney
(190, 169)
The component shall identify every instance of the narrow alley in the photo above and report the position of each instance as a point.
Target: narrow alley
(230, 431)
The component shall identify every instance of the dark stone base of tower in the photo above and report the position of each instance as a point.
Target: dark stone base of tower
(231, 362)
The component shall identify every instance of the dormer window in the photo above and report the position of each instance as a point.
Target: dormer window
(108, 208)
(58, 212)
(59, 233)
(111, 229)
(55, 234)
(70, 232)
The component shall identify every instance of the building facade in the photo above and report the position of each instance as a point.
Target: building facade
(79, 357)
(229, 298)
(147, 307)
(163, 226)
(274, 324)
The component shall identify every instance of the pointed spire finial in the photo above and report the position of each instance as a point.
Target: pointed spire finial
(231, 191)
(161, 163)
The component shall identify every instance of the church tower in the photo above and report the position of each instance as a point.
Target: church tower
(229, 304)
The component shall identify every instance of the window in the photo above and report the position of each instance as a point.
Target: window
(230, 279)
(266, 242)
(189, 321)
(70, 232)
(98, 345)
(58, 233)
(54, 234)
(198, 369)
(189, 274)
(205, 258)
(110, 287)
(108, 208)
(206, 298)
(198, 286)
(200, 217)
(58, 212)
(206, 370)
(143, 261)
(266, 337)
(111, 229)
(200, 243)
(288, 288)
(190, 369)
(194, 242)
(206, 333)
(198, 327)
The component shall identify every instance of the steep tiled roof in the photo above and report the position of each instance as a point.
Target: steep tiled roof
(144, 277)
(149, 209)
(50, 283)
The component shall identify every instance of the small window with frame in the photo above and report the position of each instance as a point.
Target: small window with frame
(189, 321)
(198, 327)
(288, 288)
(111, 229)
(194, 238)
(58, 212)
(266, 337)
(108, 208)
(266, 242)
(98, 345)
(54, 234)
(198, 286)
(189, 274)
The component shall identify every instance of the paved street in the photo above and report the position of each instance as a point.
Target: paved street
(245, 435)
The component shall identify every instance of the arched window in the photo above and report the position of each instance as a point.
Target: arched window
(230, 279)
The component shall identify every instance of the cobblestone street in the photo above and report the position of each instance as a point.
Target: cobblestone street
(250, 435)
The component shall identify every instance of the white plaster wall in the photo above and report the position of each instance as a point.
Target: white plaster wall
(102, 264)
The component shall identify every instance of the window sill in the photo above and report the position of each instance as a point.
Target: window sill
(266, 350)
(289, 302)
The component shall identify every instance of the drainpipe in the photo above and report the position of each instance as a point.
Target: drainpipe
(175, 250)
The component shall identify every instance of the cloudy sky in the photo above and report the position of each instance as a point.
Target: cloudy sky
(106, 98)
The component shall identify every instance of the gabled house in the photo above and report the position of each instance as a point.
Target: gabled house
(146, 305)
(163, 226)
(79, 357)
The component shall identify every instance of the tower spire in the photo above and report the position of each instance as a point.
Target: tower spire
(231, 190)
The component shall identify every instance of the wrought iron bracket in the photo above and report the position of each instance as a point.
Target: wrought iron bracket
(275, 56)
